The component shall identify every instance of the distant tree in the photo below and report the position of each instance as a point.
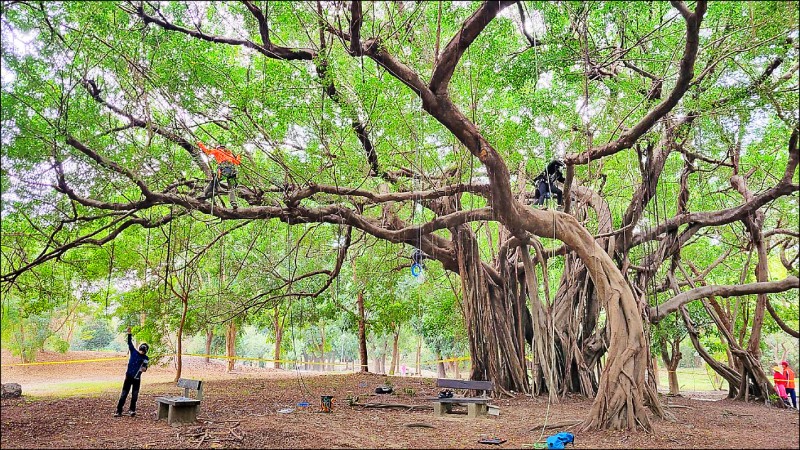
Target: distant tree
(97, 335)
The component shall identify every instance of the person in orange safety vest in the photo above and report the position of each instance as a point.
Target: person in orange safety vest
(788, 373)
(226, 168)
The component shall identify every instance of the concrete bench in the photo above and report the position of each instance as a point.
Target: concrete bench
(476, 406)
(179, 410)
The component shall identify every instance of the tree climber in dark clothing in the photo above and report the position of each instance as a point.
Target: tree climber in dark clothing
(546, 183)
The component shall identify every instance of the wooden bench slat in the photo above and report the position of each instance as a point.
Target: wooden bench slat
(178, 401)
(465, 384)
(462, 400)
(187, 383)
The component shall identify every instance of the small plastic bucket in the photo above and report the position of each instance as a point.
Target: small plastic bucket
(326, 403)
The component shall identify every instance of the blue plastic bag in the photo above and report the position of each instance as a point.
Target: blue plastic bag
(566, 438)
(558, 440)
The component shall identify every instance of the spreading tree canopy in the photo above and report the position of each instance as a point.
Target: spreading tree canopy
(423, 124)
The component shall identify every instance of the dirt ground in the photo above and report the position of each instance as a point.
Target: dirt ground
(240, 410)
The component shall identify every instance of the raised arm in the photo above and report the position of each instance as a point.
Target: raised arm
(130, 342)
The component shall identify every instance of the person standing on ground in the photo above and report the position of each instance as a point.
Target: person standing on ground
(779, 378)
(789, 375)
(137, 364)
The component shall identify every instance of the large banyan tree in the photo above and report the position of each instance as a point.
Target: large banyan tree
(424, 123)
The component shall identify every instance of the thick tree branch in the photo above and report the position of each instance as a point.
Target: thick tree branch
(720, 217)
(780, 321)
(334, 214)
(267, 49)
(330, 89)
(114, 228)
(109, 164)
(692, 155)
(685, 75)
(470, 30)
(786, 231)
(62, 187)
(446, 191)
(641, 72)
(406, 75)
(725, 216)
(523, 17)
(94, 91)
(651, 172)
(734, 290)
(682, 8)
(356, 19)
(263, 26)
(788, 264)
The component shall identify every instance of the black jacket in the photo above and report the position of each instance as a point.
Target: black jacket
(137, 360)
(551, 174)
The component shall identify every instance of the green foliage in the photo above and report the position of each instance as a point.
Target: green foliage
(56, 343)
(527, 101)
(442, 324)
(96, 335)
(24, 334)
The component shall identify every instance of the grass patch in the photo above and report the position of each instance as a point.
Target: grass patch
(76, 388)
(691, 379)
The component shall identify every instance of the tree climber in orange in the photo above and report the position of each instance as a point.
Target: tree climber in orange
(226, 167)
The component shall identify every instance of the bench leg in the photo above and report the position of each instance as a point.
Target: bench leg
(441, 409)
(476, 410)
(163, 410)
(180, 415)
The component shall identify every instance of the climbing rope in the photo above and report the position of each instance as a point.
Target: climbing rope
(300, 382)
(417, 255)
(169, 251)
(110, 269)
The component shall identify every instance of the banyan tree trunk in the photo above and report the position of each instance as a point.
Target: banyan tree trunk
(495, 350)
(750, 358)
(545, 370)
(576, 308)
(622, 389)
(751, 366)
(576, 311)
(672, 374)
